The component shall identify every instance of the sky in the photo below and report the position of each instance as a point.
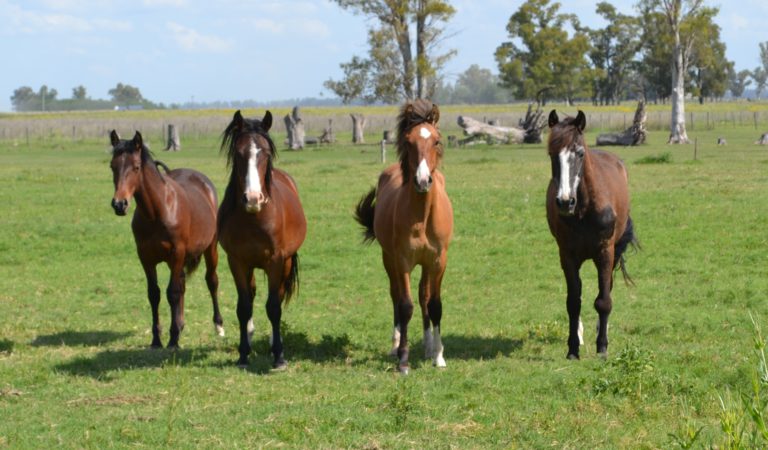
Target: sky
(177, 51)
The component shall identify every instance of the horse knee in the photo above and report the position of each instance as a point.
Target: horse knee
(405, 309)
(603, 305)
(435, 308)
(274, 309)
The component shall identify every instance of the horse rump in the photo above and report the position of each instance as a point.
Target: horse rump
(364, 213)
(628, 239)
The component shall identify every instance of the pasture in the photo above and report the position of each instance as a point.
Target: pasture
(76, 371)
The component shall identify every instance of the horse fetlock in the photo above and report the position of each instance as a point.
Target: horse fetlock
(219, 330)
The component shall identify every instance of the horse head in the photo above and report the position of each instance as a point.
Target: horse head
(128, 157)
(418, 143)
(250, 153)
(567, 151)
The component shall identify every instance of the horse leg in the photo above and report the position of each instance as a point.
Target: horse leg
(425, 292)
(242, 277)
(153, 294)
(250, 327)
(394, 295)
(400, 289)
(212, 280)
(175, 294)
(573, 304)
(274, 308)
(435, 309)
(604, 302)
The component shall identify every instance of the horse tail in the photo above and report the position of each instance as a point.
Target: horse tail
(364, 213)
(291, 282)
(628, 239)
(191, 263)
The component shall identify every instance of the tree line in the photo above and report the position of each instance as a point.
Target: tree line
(549, 55)
(46, 99)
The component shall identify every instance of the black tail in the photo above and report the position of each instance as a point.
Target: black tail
(364, 215)
(291, 283)
(628, 239)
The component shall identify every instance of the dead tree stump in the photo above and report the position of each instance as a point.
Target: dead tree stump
(174, 143)
(533, 123)
(328, 136)
(294, 126)
(358, 124)
(763, 139)
(634, 135)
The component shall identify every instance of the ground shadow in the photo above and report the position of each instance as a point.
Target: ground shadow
(78, 338)
(477, 347)
(6, 346)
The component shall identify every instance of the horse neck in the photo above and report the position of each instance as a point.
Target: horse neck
(585, 189)
(422, 204)
(150, 194)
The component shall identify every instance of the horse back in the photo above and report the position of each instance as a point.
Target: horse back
(201, 205)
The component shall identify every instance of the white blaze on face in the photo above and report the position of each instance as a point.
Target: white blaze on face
(422, 172)
(425, 133)
(564, 192)
(252, 181)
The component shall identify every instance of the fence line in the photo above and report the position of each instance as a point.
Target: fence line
(80, 128)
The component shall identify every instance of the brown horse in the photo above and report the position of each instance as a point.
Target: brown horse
(261, 225)
(174, 222)
(588, 214)
(409, 213)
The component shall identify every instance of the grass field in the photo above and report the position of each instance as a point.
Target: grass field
(75, 371)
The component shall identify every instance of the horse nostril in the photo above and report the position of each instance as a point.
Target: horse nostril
(430, 179)
(572, 202)
(245, 199)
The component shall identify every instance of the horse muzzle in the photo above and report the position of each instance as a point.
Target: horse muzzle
(566, 207)
(422, 184)
(254, 201)
(120, 206)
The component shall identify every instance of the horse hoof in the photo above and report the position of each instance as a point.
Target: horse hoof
(572, 356)
(279, 366)
(393, 352)
(174, 347)
(439, 363)
(242, 363)
(155, 346)
(220, 330)
(603, 354)
(404, 370)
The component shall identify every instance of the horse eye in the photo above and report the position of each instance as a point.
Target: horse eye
(580, 152)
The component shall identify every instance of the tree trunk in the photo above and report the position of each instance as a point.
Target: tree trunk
(328, 136)
(174, 143)
(677, 133)
(479, 131)
(358, 124)
(763, 139)
(294, 125)
(634, 135)
(533, 123)
(421, 51)
(400, 27)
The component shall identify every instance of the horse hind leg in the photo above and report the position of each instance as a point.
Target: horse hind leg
(424, 299)
(435, 310)
(175, 294)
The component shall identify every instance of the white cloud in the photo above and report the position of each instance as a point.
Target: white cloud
(192, 41)
(268, 25)
(160, 3)
(21, 20)
(311, 27)
(306, 27)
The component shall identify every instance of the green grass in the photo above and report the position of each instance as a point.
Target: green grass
(75, 370)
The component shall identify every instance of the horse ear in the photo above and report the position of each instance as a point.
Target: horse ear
(114, 138)
(138, 141)
(266, 122)
(553, 119)
(581, 121)
(238, 120)
(434, 115)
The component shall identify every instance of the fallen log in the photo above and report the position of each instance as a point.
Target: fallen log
(634, 135)
(476, 130)
(763, 139)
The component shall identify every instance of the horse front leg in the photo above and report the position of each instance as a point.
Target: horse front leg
(175, 294)
(435, 310)
(573, 305)
(400, 291)
(212, 281)
(153, 294)
(604, 302)
(425, 293)
(276, 279)
(242, 277)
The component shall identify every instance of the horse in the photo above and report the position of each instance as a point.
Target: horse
(588, 215)
(174, 222)
(261, 225)
(410, 215)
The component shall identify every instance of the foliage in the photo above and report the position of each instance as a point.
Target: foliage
(392, 72)
(630, 374)
(25, 99)
(738, 82)
(550, 64)
(708, 67)
(125, 94)
(474, 86)
(663, 158)
(760, 77)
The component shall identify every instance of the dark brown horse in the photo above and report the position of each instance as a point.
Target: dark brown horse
(174, 222)
(588, 214)
(261, 226)
(409, 213)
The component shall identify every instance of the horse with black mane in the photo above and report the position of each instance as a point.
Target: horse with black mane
(174, 222)
(588, 214)
(410, 215)
(261, 226)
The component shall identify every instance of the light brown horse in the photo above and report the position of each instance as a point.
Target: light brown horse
(588, 214)
(174, 222)
(409, 213)
(261, 225)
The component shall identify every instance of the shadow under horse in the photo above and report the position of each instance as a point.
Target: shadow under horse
(588, 214)
(174, 222)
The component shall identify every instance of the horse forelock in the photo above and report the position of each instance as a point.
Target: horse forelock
(563, 135)
(229, 145)
(412, 114)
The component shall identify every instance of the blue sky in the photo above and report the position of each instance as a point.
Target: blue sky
(178, 50)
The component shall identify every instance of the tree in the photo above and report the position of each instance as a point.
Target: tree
(708, 67)
(126, 94)
(760, 76)
(79, 93)
(46, 96)
(738, 82)
(22, 98)
(478, 85)
(549, 63)
(613, 49)
(391, 72)
(654, 70)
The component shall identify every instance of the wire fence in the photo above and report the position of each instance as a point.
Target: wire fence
(74, 127)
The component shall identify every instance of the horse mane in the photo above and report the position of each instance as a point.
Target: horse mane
(413, 113)
(147, 157)
(563, 134)
(229, 145)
